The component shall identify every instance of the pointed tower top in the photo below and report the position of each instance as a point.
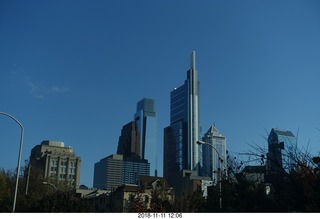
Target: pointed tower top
(193, 59)
(213, 129)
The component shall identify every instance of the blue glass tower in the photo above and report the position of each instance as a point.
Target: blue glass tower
(181, 151)
(146, 119)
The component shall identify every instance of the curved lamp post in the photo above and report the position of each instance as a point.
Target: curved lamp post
(19, 158)
(220, 161)
(50, 184)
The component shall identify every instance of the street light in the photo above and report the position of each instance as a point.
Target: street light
(19, 158)
(221, 160)
(56, 194)
(50, 184)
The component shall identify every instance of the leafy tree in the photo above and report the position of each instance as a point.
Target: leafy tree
(190, 202)
(137, 204)
(6, 192)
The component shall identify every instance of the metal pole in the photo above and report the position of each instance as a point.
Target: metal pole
(220, 188)
(56, 194)
(19, 158)
(27, 185)
(220, 161)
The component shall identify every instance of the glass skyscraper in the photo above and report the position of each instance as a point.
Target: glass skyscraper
(282, 146)
(146, 119)
(114, 170)
(181, 151)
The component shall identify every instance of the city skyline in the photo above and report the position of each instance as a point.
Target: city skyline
(73, 71)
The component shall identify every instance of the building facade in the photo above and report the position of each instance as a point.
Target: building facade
(134, 168)
(129, 140)
(108, 172)
(214, 160)
(282, 145)
(56, 162)
(181, 151)
(146, 119)
(113, 171)
(147, 187)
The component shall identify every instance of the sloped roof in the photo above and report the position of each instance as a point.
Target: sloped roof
(147, 181)
(213, 129)
(283, 132)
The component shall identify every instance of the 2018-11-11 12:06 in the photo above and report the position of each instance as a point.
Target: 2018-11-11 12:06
(159, 215)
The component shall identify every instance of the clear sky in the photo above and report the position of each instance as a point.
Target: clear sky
(74, 70)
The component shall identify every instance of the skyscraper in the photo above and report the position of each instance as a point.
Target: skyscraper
(181, 151)
(146, 120)
(281, 150)
(113, 171)
(214, 160)
(129, 140)
(108, 172)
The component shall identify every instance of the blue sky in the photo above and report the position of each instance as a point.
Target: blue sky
(74, 70)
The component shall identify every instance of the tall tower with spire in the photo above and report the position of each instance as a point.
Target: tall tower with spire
(192, 85)
(214, 154)
(181, 151)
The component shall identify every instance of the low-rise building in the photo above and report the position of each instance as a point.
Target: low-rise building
(148, 186)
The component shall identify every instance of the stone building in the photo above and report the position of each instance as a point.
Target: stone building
(56, 162)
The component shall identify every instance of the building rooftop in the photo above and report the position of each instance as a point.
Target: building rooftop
(53, 143)
(148, 181)
(283, 132)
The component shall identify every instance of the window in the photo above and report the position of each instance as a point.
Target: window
(131, 197)
(146, 199)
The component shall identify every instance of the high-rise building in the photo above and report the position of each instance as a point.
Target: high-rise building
(181, 151)
(113, 171)
(108, 172)
(134, 168)
(146, 119)
(56, 162)
(127, 165)
(129, 140)
(281, 151)
(214, 154)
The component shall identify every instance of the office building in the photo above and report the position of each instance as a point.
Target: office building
(282, 145)
(108, 172)
(56, 162)
(113, 171)
(214, 154)
(133, 168)
(129, 140)
(181, 151)
(146, 120)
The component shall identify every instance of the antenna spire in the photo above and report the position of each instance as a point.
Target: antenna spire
(193, 59)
